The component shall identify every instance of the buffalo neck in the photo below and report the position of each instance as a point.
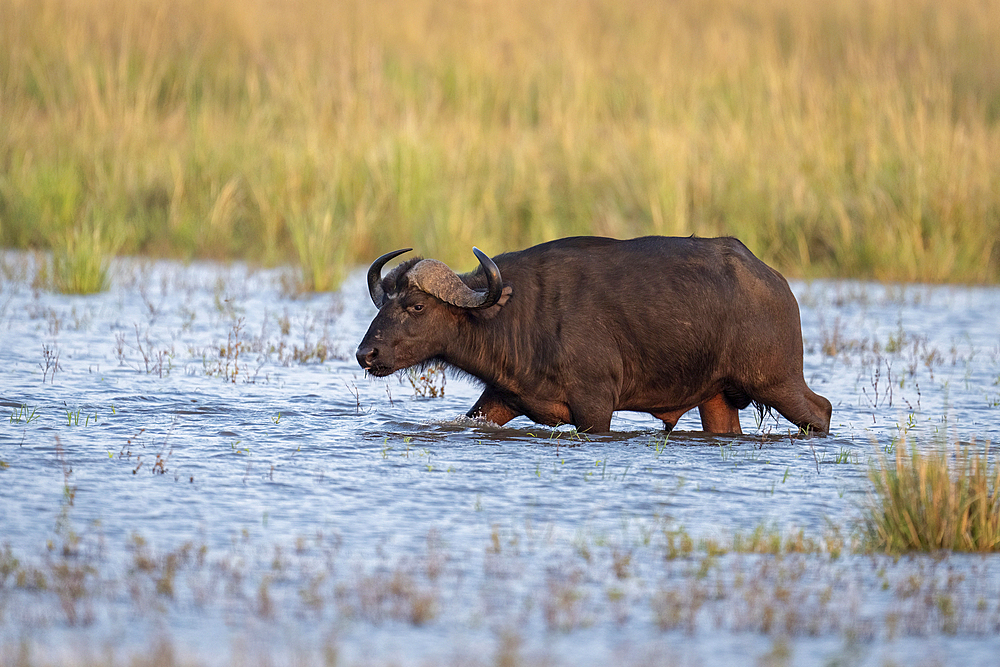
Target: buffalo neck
(488, 350)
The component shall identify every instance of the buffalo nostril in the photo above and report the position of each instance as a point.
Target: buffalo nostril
(367, 355)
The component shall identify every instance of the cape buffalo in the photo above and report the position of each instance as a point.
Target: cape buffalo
(569, 331)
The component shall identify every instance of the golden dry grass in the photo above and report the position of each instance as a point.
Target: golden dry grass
(853, 138)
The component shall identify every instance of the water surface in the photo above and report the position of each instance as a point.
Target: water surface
(193, 460)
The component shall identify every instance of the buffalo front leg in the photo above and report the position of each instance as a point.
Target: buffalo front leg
(490, 407)
(589, 413)
(719, 416)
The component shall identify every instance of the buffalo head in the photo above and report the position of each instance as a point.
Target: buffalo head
(419, 304)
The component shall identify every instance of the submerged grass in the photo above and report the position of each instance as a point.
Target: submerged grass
(930, 501)
(846, 138)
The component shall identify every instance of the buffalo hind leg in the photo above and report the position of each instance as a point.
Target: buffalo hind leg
(800, 405)
(719, 416)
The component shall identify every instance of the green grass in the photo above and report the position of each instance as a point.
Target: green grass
(79, 263)
(844, 138)
(930, 501)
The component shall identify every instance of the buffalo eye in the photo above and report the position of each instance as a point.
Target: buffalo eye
(417, 307)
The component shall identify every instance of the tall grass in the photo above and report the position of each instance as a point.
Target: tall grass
(935, 500)
(853, 137)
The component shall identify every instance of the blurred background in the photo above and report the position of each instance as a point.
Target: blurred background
(851, 138)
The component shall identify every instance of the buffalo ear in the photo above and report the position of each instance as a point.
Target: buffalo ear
(491, 312)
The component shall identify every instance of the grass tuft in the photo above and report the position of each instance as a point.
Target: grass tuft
(932, 501)
(79, 262)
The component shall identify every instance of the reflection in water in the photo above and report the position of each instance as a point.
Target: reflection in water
(196, 456)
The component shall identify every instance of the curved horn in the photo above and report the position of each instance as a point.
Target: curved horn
(375, 276)
(438, 280)
(494, 283)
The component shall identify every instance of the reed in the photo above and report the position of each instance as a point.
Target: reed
(849, 138)
(928, 501)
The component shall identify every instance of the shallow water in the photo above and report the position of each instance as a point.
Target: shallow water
(156, 488)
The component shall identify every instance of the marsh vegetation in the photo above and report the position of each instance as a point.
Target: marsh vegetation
(847, 138)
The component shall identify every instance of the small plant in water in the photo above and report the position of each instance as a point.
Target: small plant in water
(846, 455)
(659, 444)
(429, 381)
(227, 364)
(49, 363)
(156, 361)
(22, 414)
(160, 465)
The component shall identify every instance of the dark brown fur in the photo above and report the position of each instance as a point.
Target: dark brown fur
(588, 326)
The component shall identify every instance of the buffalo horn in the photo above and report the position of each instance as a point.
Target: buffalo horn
(375, 276)
(438, 280)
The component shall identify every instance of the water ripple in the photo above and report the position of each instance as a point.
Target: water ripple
(295, 476)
